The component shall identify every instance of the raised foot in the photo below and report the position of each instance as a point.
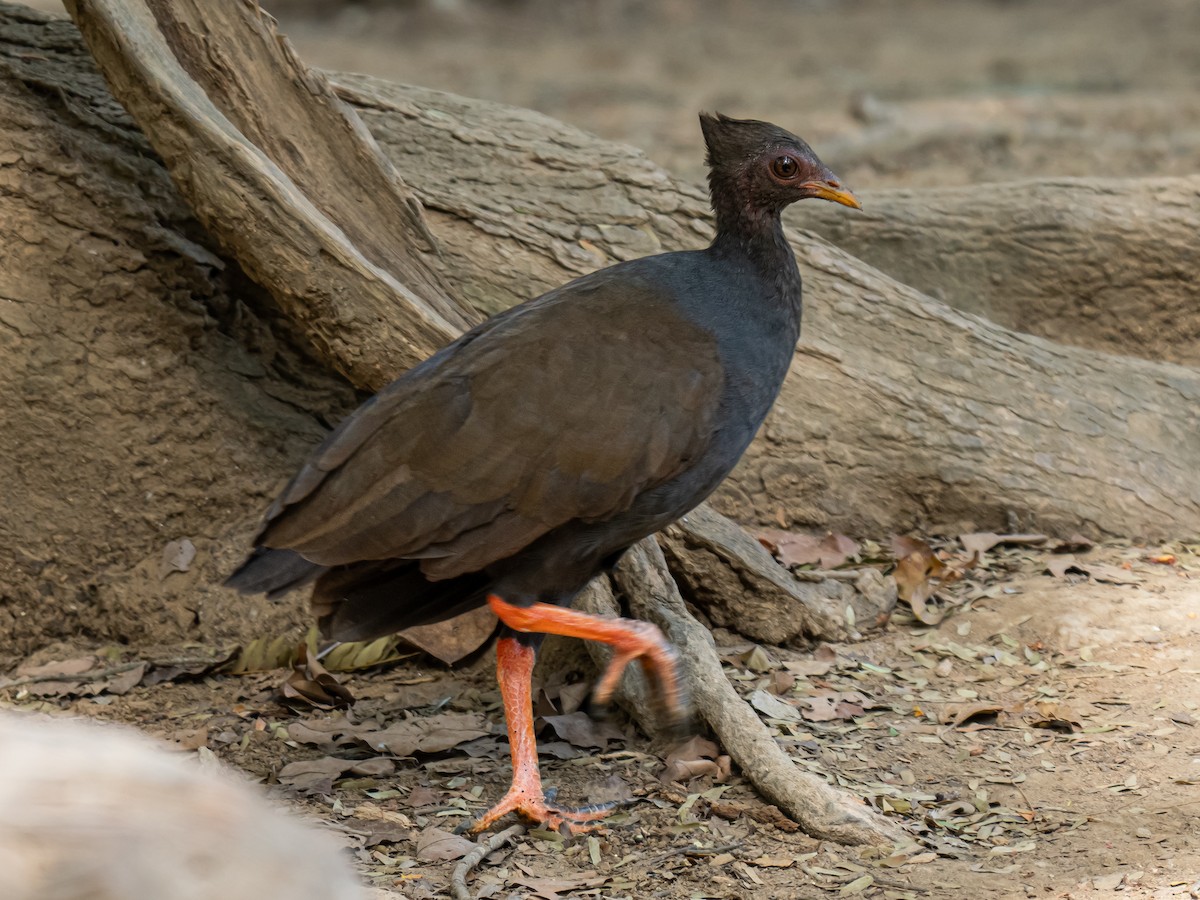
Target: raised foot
(630, 639)
(537, 810)
(644, 643)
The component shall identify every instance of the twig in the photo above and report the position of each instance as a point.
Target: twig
(695, 851)
(899, 885)
(82, 677)
(819, 575)
(459, 879)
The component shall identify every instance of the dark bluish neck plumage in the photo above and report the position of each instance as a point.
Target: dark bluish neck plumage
(754, 233)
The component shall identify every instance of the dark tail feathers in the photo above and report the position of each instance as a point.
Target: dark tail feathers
(273, 572)
(364, 600)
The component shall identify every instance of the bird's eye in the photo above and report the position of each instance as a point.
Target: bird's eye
(785, 167)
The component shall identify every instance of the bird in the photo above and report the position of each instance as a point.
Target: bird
(525, 457)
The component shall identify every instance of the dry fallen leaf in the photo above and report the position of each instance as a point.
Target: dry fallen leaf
(919, 574)
(693, 758)
(327, 734)
(581, 730)
(423, 796)
(571, 697)
(311, 683)
(977, 714)
(556, 888)
(773, 862)
(80, 677)
(263, 655)
(830, 705)
(186, 739)
(1112, 574)
(377, 767)
(772, 707)
(314, 775)
(426, 734)
(436, 845)
(836, 549)
(177, 556)
(1059, 566)
(355, 655)
(1076, 543)
(455, 638)
(983, 541)
(756, 659)
(781, 682)
(809, 666)
(792, 550)
(204, 660)
(1056, 716)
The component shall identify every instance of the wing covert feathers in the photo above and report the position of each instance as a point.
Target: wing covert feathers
(508, 433)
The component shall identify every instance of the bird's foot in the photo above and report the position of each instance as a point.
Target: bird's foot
(630, 639)
(645, 643)
(536, 808)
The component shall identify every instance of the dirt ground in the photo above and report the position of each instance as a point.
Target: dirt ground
(1041, 741)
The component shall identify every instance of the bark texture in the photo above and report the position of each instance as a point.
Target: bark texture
(1107, 264)
(898, 409)
(142, 401)
(740, 586)
(252, 136)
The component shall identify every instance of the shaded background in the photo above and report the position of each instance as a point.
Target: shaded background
(983, 89)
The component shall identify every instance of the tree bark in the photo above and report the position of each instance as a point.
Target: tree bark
(898, 409)
(822, 811)
(1107, 264)
(740, 586)
(142, 401)
(251, 136)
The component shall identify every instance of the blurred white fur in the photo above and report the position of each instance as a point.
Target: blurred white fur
(98, 812)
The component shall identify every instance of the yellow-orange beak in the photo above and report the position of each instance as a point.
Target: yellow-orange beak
(834, 192)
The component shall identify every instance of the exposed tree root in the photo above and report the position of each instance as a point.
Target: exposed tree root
(821, 810)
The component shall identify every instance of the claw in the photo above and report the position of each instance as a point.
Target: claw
(538, 810)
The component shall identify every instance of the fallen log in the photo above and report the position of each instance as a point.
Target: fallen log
(1105, 264)
(899, 411)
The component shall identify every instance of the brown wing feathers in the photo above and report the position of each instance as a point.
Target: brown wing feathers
(467, 462)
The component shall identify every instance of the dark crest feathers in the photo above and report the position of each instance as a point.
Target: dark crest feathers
(730, 140)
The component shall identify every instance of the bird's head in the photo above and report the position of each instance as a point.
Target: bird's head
(759, 166)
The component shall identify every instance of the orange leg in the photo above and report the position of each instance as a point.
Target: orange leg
(514, 667)
(629, 638)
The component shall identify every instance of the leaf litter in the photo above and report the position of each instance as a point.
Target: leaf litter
(1002, 705)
